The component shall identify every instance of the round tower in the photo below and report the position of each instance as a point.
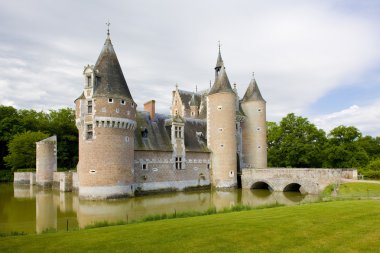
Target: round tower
(46, 161)
(105, 117)
(254, 129)
(221, 130)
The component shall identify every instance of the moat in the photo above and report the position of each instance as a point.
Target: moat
(32, 210)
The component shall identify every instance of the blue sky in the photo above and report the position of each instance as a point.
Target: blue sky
(319, 59)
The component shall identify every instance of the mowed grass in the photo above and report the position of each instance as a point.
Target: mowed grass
(356, 190)
(340, 226)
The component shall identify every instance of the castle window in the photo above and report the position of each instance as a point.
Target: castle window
(133, 104)
(178, 132)
(144, 166)
(208, 166)
(110, 100)
(89, 106)
(88, 81)
(219, 107)
(178, 163)
(259, 110)
(89, 133)
(97, 80)
(222, 145)
(220, 129)
(192, 113)
(258, 129)
(122, 102)
(117, 110)
(259, 147)
(176, 112)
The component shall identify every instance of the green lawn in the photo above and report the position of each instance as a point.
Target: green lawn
(340, 226)
(348, 190)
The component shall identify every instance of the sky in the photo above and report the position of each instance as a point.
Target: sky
(318, 59)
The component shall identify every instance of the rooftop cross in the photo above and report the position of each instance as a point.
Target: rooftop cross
(108, 27)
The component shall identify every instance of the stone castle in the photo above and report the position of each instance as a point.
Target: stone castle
(207, 139)
(211, 138)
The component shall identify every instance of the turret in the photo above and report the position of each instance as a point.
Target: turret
(221, 130)
(254, 129)
(105, 117)
(194, 107)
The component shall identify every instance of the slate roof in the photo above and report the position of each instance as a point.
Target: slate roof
(222, 84)
(159, 133)
(112, 82)
(219, 61)
(253, 92)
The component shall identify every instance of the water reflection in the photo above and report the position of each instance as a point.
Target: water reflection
(54, 209)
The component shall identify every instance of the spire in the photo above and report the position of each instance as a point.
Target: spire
(193, 101)
(222, 84)
(110, 79)
(219, 61)
(253, 91)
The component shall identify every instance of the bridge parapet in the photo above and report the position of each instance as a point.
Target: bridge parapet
(310, 180)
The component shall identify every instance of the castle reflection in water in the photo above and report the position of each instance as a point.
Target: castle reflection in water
(55, 210)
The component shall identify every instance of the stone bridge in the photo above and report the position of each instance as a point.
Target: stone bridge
(311, 181)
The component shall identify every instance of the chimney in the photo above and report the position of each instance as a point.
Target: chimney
(150, 107)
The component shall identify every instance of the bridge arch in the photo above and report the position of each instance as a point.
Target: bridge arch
(261, 185)
(292, 187)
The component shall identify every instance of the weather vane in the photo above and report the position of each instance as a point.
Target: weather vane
(108, 27)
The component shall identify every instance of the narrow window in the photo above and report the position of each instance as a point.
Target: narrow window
(178, 132)
(122, 102)
(219, 107)
(259, 110)
(89, 106)
(110, 100)
(176, 112)
(88, 81)
(89, 134)
(258, 129)
(144, 166)
(97, 80)
(178, 163)
(133, 104)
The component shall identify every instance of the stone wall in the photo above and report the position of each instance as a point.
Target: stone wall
(23, 177)
(46, 161)
(155, 171)
(63, 181)
(311, 180)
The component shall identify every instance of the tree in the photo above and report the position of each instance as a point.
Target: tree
(371, 145)
(9, 126)
(343, 149)
(22, 150)
(295, 142)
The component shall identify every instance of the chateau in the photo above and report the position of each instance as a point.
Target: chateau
(207, 139)
(211, 138)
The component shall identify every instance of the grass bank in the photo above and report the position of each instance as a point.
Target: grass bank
(341, 226)
(353, 190)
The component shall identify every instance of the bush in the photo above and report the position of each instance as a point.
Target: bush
(6, 176)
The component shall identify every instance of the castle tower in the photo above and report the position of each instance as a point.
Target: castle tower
(194, 107)
(105, 117)
(254, 130)
(221, 129)
(46, 161)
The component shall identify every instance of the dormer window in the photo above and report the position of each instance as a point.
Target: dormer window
(88, 81)
(178, 132)
(122, 102)
(89, 106)
(110, 100)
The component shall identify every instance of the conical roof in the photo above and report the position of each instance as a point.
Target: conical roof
(222, 84)
(219, 61)
(193, 101)
(112, 82)
(253, 92)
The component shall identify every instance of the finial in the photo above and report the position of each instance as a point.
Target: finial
(253, 75)
(108, 27)
(235, 86)
(176, 86)
(219, 45)
(196, 88)
(210, 83)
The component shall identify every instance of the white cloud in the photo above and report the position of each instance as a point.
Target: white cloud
(365, 118)
(299, 50)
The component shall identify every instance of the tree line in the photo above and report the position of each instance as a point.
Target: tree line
(20, 129)
(293, 142)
